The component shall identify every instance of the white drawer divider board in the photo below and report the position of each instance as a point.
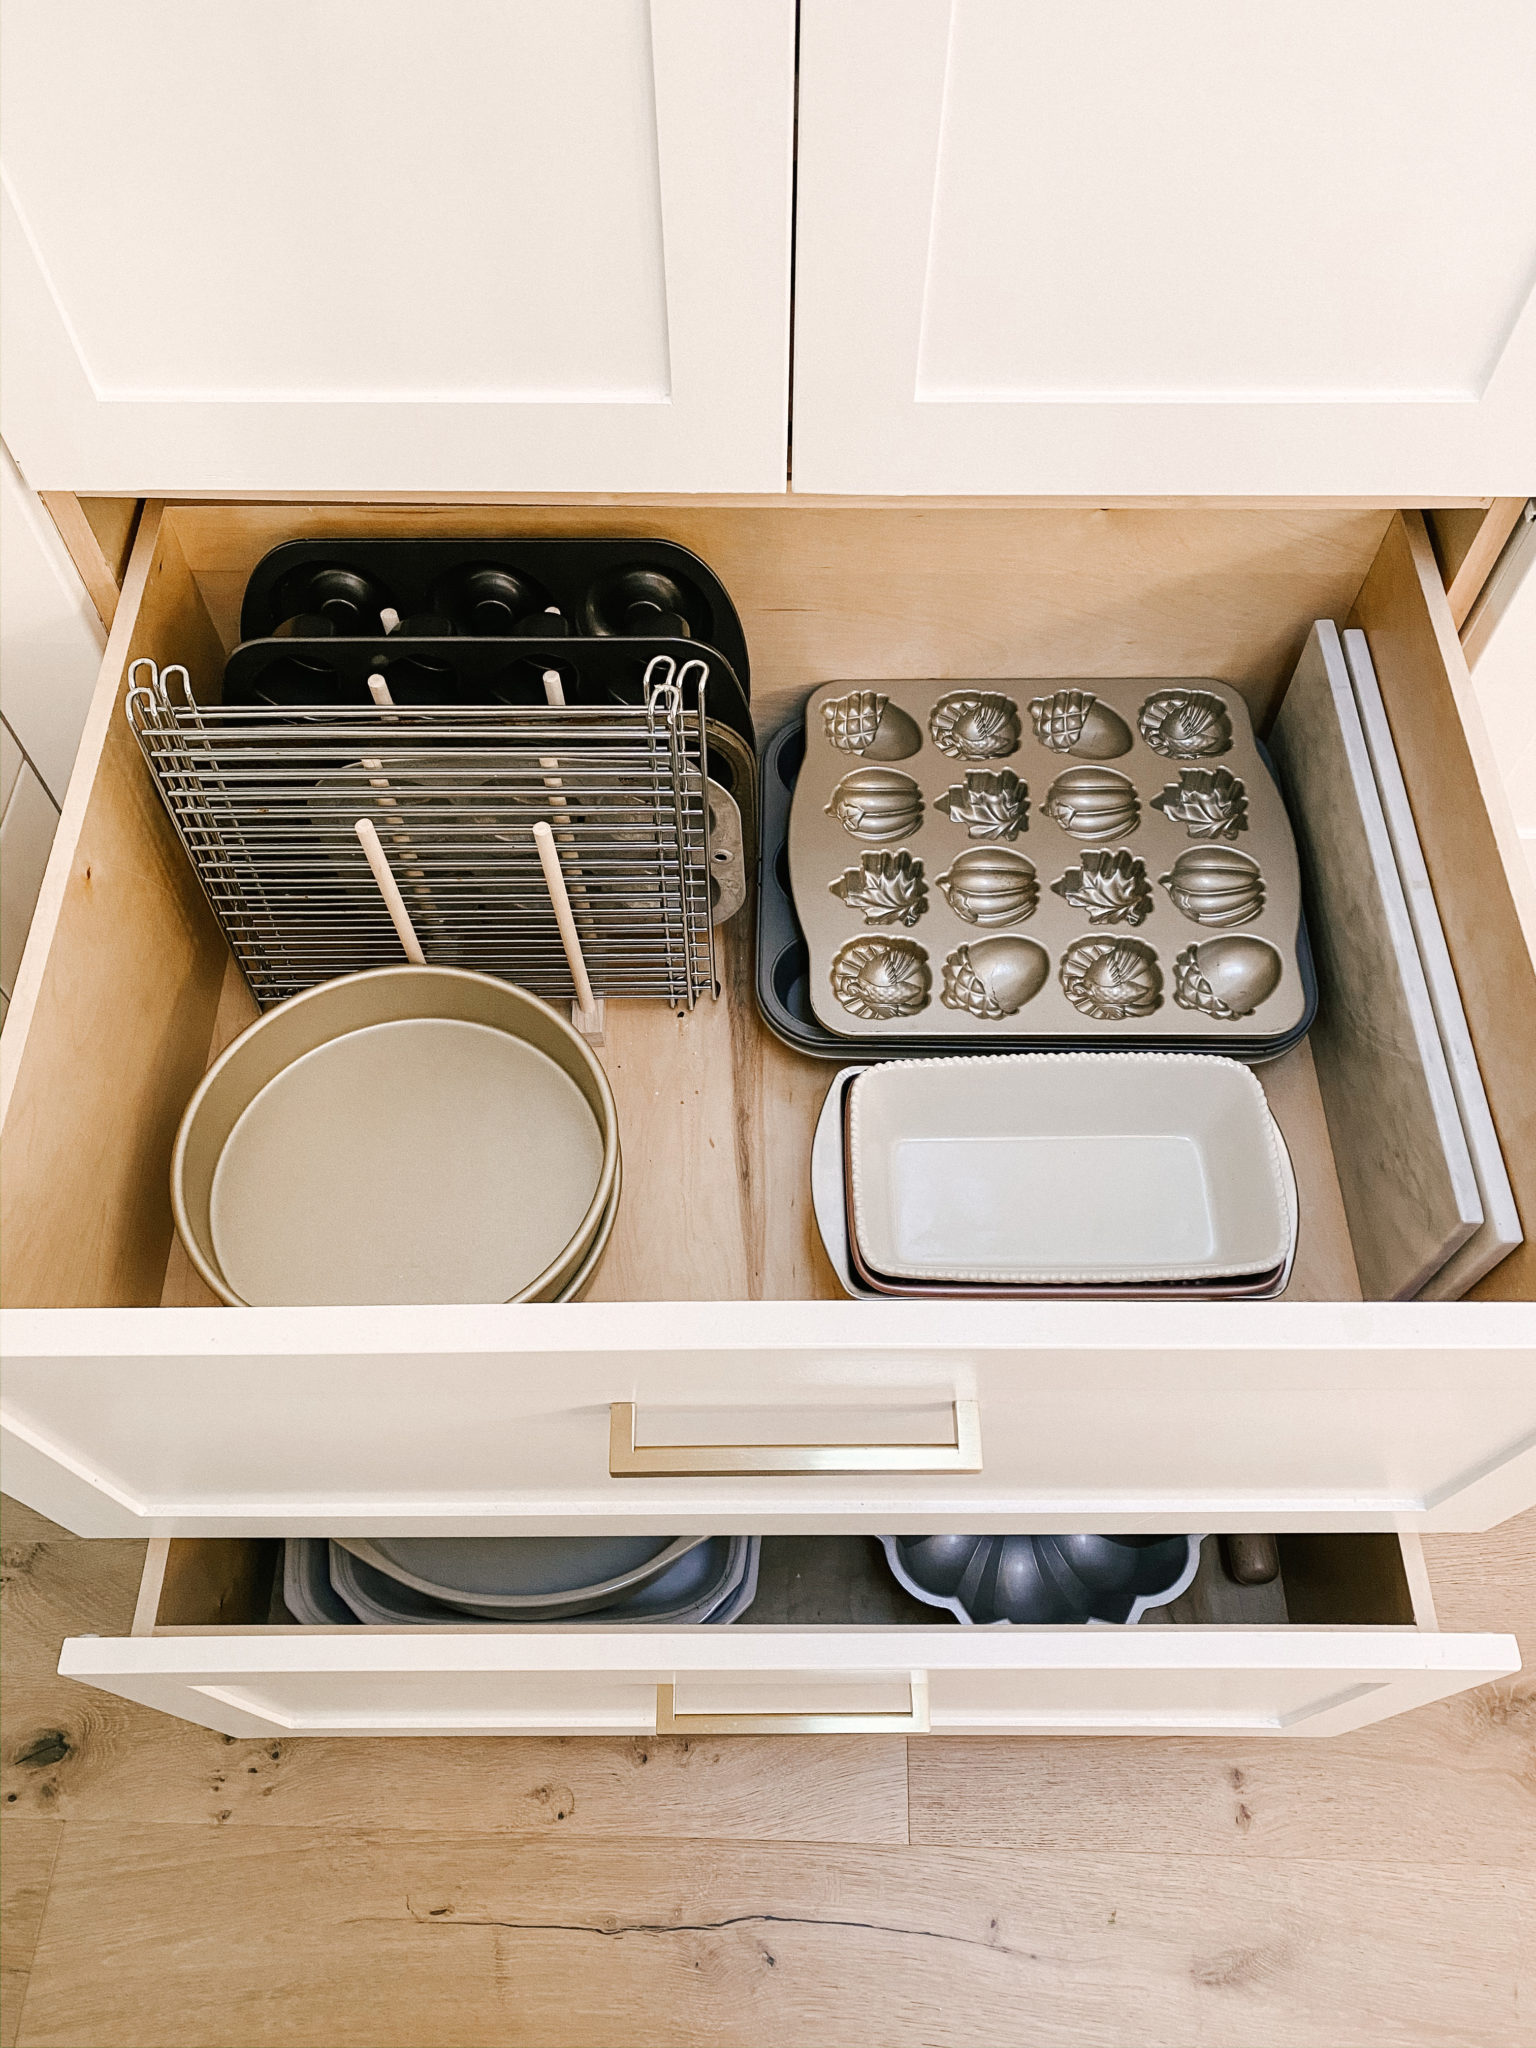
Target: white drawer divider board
(1500, 1229)
(1404, 1169)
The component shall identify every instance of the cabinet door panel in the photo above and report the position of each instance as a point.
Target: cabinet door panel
(287, 246)
(1170, 250)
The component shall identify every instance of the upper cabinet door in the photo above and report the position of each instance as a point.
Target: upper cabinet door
(1193, 248)
(376, 245)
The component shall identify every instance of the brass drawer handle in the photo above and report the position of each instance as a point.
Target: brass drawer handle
(912, 1721)
(629, 1460)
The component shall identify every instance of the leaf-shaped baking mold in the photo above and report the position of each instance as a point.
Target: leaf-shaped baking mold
(975, 725)
(880, 978)
(867, 723)
(1185, 725)
(994, 977)
(1210, 803)
(1215, 885)
(1077, 722)
(887, 887)
(991, 885)
(1094, 803)
(877, 803)
(1112, 979)
(1228, 977)
(991, 803)
(1111, 887)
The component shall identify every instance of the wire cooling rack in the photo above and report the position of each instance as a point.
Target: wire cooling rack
(266, 802)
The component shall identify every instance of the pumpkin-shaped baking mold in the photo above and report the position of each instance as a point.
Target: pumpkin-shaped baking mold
(1185, 725)
(991, 885)
(994, 977)
(1077, 722)
(1215, 885)
(867, 723)
(975, 725)
(1111, 887)
(991, 803)
(1228, 977)
(879, 978)
(1210, 803)
(1112, 978)
(877, 803)
(1094, 803)
(888, 888)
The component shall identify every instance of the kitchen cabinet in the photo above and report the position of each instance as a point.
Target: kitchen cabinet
(133, 1404)
(271, 246)
(714, 1345)
(1360, 1642)
(1181, 250)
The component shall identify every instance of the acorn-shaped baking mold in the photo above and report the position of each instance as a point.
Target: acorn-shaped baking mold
(877, 803)
(1210, 803)
(1094, 803)
(888, 888)
(1215, 885)
(1227, 977)
(866, 722)
(975, 725)
(1112, 978)
(1112, 887)
(991, 803)
(991, 885)
(1077, 722)
(1185, 725)
(994, 977)
(880, 978)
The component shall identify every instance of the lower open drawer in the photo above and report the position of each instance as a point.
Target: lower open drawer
(1346, 1636)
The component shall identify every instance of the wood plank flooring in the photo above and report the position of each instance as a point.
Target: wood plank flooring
(164, 1885)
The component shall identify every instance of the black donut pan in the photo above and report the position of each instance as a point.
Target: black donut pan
(783, 960)
(474, 672)
(594, 584)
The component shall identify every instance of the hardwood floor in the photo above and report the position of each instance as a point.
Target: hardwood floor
(165, 1885)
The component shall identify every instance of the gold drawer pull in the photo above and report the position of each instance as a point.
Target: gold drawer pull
(914, 1721)
(629, 1460)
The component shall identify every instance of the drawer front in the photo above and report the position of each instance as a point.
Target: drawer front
(1226, 1681)
(772, 1416)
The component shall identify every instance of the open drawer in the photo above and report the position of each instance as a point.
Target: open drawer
(715, 1380)
(831, 1645)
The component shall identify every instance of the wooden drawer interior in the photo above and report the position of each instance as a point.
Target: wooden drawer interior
(197, 1585)
(129, 989)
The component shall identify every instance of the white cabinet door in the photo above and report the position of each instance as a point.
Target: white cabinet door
(1189, 248)
(365, 245)
(744, 1680)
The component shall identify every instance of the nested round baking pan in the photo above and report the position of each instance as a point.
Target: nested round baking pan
(411, 1134)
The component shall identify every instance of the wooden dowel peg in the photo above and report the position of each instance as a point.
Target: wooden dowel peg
(586, 1011)
(394, 902)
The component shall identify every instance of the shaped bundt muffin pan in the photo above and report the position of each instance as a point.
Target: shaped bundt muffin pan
(1114, 836)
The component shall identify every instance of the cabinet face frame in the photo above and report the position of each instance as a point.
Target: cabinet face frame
(882, 86)
(720, 99)
(125, 1419)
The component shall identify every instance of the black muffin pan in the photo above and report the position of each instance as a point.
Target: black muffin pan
(627, 590)
(783, 962)
(309, 674)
